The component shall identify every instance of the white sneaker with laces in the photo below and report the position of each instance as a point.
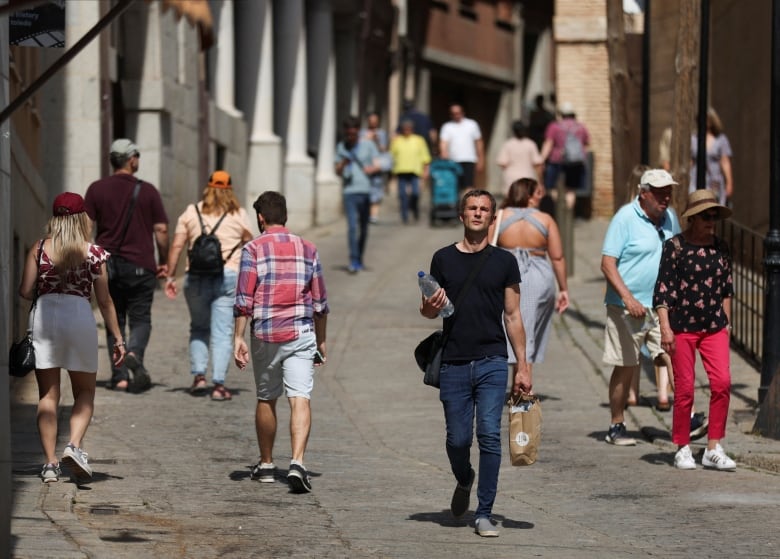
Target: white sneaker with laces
(51, 473)
(683, 460)
(716, 459)
(77, 460)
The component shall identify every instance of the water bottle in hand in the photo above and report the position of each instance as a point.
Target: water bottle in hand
(428, 286)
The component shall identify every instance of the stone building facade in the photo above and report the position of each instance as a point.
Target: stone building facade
(582, 79)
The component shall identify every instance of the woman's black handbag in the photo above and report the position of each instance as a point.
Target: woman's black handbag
(21, 359)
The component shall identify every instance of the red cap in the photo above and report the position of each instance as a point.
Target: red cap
(68, 203)
(220, 179)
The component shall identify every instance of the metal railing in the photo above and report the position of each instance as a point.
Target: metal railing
(747, 306)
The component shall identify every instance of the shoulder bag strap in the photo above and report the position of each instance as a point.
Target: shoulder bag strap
(353, 155)
(218, 223)
(38, 268)
(232, 250)
(202, 227)
(200, 219)
(35, 291)
(133, 199)
(462, 295)
(235, 248)
(203, 230)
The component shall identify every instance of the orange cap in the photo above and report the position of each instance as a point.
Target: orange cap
(220, 179)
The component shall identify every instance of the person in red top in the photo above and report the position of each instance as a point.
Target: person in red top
(59, 274)
(129, 224)
(565, 151)
(282, 290)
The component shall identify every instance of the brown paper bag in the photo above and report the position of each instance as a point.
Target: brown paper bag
(525, 429)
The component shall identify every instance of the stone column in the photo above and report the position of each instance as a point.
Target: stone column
(322, 109)
(344, 45)
(255, 97)
(80, 124)
(290, 102)
(328, 184)
(224, 75)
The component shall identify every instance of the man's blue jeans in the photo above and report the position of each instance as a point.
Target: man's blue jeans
(210, 300)
(358, 210)
(410, 182)
(465, 388)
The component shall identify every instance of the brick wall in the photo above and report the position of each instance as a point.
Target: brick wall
(582, 78)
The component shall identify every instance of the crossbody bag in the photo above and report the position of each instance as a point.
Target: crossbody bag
(429, 352)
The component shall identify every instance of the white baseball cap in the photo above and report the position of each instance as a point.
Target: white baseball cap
(123, 146)
(657, 178)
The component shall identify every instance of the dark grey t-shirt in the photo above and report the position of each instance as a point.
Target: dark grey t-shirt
(478, 329)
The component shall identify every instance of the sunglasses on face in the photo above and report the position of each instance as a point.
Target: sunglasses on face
(709, 216)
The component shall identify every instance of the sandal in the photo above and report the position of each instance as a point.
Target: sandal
(663, 406)
(198, 384)
(221, 393)
(121, 386)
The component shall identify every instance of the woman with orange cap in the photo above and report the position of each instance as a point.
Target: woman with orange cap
(209, 289)
(60, 273)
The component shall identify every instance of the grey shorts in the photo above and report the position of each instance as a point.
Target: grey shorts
(287, 366)
(624, 336)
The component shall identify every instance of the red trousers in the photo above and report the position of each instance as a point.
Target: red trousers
(714, 351)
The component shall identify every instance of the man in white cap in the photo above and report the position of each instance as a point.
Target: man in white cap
(130, 220)
(564, 150)
(630, 258)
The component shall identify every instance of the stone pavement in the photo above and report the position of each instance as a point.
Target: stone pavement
(172, 470)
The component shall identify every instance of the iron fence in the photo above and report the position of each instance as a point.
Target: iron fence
(747, 306)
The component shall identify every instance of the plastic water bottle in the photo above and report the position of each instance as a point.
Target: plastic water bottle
(428, 286)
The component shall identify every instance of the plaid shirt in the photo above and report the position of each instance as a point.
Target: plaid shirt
(280, 285)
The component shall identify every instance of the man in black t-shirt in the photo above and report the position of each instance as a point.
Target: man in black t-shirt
(474, 365)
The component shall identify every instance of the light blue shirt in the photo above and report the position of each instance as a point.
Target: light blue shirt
(635, 242)
(354, 178)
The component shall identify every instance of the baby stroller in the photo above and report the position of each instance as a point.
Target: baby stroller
(444, 190)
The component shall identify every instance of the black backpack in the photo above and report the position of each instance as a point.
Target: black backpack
(205, 256)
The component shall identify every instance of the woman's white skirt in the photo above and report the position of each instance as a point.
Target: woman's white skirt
(65, 333)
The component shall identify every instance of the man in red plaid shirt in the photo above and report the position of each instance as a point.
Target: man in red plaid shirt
(282, 290)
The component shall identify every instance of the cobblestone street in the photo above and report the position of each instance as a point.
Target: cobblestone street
(172, 470)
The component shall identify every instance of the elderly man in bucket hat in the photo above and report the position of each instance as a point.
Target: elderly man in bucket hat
(629, 261)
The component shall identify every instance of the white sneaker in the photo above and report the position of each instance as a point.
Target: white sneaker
(486, 527)
(683, 460)
(717, 459)
(77, 460)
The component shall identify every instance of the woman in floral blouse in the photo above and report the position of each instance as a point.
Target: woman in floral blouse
(693, 299)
